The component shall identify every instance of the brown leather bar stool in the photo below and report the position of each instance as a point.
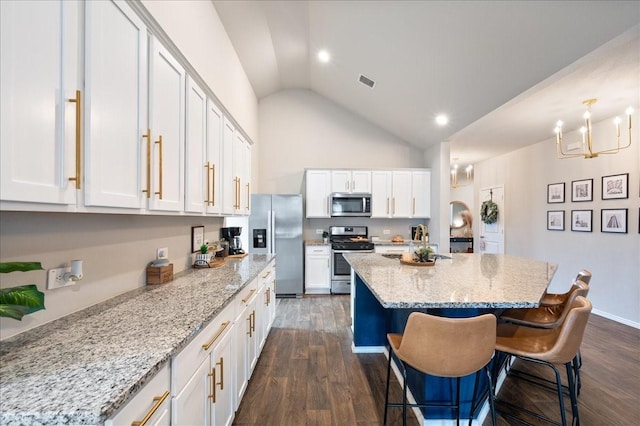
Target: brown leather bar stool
(553, 299)
(549, 347)
(545, 316)
(443, 347)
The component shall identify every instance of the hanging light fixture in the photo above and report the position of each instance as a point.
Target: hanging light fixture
(454, 176)
(587, 141)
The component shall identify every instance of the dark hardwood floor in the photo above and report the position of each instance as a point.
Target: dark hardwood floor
(307, 374)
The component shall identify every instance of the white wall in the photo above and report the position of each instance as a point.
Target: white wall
(437, 159)
(195, 27)
(614, 259)
(300, 129)
(116, 250)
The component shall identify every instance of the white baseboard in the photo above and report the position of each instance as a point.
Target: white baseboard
(616, 318)
(368, 349)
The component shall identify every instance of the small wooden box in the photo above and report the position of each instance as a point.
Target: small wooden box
(159, 274)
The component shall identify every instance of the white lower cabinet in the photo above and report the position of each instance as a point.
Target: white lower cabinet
(317, 267)
(205, 396)
(245, 338)
(151, 403)
(397, 249)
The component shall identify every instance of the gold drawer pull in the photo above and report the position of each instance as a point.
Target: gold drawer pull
(206, 199)
(213, 184)
(221, 382)
(266, 275)
(158, 402)
(249, 296)
(159, 191)
(148, 174)
(213, 385)
(224, 325)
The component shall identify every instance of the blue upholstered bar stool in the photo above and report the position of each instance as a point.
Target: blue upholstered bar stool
(443, 347)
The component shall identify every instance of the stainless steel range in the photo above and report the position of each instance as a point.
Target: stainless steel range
(346, 239)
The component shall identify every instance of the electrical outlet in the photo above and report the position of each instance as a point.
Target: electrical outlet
(318, 231)
(162, 253)
(56, 278)
(386, 232)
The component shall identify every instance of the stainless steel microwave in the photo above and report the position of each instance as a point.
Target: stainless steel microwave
(354, 204)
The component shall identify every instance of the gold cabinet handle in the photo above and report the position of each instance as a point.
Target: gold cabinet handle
(250, 328)
(158, 402)
(253, 321)
(266, 275)
(221, 382)
(148, 137)
(238, 190)
(223, 326)
(206, 198)
(213, 385)
(387, 205)
(78, 101)
(213, 184)
(249, 296)
(393, 200)
(248, 196)
(159, 191)
(414, 205)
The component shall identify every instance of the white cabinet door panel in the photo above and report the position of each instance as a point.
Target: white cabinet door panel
(215, 123)
(191, 406)
(166, 121)
(228, 183)
(39, 63)
(115, 108)
(197, 176)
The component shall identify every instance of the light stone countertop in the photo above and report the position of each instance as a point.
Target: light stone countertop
(80, 369)
(316, 243)
(464, 281)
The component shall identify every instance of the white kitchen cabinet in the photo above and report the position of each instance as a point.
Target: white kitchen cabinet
(242, 174)
(115, 114)
(317, 269)
(202, 381)
(401, 200)
(421, 194)
(39, 73)
(228, 184)
(381, 193)
(351, 181)
(152, 400)
(270, 282)
(265, 304)
(245, 339)
(318, 192)
(166, 121)
(202, 152)
(395, 249)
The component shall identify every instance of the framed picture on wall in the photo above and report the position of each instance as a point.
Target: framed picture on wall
(582, 190)
(555, 193)
(614, 220)
(197, 238)
(555, 220)
(615, 186)
(581, 220)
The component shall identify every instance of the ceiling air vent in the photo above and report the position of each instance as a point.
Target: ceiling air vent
(366, 81)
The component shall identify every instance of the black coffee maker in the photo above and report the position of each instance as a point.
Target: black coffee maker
(232, 235)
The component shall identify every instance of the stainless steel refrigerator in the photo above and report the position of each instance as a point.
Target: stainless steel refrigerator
(275, 226)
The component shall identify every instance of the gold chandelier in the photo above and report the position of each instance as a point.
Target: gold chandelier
(454, 176)
(587, 141)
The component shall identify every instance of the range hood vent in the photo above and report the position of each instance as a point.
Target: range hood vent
(366, 81)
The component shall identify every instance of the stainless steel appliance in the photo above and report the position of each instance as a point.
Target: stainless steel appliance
(232, 235)
(275, 226)
(346, 239)
(354, 204)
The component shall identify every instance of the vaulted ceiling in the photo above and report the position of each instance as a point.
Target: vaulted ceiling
(503, 71)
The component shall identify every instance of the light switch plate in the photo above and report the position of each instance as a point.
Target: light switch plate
(162, 253)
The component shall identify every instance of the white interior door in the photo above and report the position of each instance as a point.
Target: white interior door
(492, 235)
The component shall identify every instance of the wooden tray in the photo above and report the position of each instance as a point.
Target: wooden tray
(238, 256)
(414, 263)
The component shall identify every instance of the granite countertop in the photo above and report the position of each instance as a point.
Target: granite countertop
(464, 281)
(80, 369)
(316, 243)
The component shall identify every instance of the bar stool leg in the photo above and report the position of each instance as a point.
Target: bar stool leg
(457, 401)
(492, 405)
(572, 394)
(404, 396)
(386, 398)
(560, 395)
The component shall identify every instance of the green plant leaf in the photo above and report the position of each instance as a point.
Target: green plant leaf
(27, 296)
(13, 311)
(6, 267)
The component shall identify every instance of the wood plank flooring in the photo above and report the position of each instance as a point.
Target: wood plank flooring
(307, 374)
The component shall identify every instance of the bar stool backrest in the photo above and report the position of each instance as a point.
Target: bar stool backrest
(571, 333)
(584, 276)
(578, 289)
(448, 347)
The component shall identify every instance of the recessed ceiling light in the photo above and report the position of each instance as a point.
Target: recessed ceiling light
(442, 120)
(323, 56)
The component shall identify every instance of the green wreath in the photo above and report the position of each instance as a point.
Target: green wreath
(489, 212)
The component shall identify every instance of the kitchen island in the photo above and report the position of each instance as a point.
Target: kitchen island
(83, 368)
(384, 292)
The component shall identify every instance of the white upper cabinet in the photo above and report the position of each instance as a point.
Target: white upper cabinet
(228, 182)
(166, 121)
(242, 174)
(39, 70)
(351, 181)
(401, 198)
(318, 191)
(215, 124)
(421, 194)
(381, 193)
(115, 106)
(197, 168)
